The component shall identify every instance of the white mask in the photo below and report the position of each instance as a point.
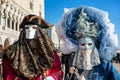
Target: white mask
(87, 56)
(30, 31)
(86, 43)
(86, 46)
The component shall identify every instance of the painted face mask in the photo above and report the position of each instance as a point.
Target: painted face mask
(30, 31)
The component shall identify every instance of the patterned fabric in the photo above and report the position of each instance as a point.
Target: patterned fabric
(103, 71)
(31, 57)
(80, 64)
(55, 71)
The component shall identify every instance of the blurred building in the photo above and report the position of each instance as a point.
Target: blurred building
(55, 38)
(11, 15)
(51, 32)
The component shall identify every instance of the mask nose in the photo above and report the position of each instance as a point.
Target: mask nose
(30, 29)
(86, 47)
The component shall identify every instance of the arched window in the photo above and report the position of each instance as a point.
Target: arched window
(12, 24)
(8, 22)
(16, 25)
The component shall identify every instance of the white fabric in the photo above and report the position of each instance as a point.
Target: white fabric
(67, 46)
(49, 78)
(30, 31)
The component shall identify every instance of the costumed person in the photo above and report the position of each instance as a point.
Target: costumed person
(88, 41)
(33, 56)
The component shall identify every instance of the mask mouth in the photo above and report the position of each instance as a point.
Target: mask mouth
(30, 35)
(30, 31)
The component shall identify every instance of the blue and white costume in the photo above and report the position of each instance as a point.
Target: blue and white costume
(88, 26)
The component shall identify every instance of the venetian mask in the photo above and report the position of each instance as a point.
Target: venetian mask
(86, 46)
(30, 31)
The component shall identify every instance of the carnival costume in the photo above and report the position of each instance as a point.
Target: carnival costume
(32, 59)
(89, 41)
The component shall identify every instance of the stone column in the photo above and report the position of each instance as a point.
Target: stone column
(18, 19)
(11, 15)
(2, 7)
(7, 14)
(15, 18)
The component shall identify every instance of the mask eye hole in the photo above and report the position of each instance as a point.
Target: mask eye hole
(89, 44)
(82, 44)
(34, 27)
(26, 27)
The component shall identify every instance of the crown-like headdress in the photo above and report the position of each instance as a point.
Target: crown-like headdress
(85, 26)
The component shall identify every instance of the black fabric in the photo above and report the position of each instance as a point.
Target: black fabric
(33, 19)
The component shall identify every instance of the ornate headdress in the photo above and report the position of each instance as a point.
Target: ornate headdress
(87, 21)
(85, 27)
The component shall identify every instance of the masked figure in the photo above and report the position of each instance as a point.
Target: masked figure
(88, 43)
(87, 54)
(33, 56)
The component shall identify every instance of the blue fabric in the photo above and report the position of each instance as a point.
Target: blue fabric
(104, 71)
